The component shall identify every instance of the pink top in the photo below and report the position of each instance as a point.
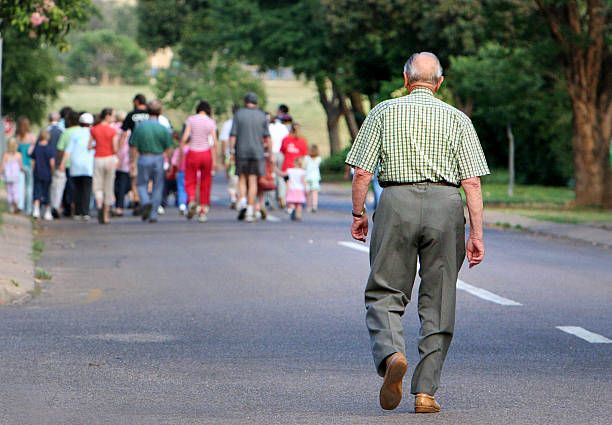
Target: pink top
(175, 156)
(124, 151)
(201, 128)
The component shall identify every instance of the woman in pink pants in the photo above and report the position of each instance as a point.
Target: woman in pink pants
(201, 128)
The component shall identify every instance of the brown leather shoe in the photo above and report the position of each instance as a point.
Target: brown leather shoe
(391, 390)
(425, 403)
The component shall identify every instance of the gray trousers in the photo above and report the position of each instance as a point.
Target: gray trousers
(421, 221)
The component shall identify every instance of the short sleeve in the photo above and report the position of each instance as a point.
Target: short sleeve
(266, 130)
(365, 151)
(470, 156)
(234, 130)
(127, 124)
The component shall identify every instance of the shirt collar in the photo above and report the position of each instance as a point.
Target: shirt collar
(422, 90)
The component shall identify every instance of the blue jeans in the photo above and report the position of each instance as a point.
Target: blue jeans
(180, 186)
(151, 167)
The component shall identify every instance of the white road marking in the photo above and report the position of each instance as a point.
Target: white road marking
(484, 294)
(356, 246)
(131, 337)
(272, 218)
(589, 336)
(478, 292)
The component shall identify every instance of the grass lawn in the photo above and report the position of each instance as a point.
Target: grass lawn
(301, 97)
(572, 215)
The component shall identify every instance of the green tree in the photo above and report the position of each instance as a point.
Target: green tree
(105, 56)
(220, 83)
(46, 20)
(29, 77)
(510, 98)
(583, 32)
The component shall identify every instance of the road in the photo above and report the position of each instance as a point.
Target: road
(234, 323)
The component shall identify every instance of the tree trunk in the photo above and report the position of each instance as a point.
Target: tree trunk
(357, 103)
(591, 155)
(372, 99)
(510, 160)
(332, 109)
(587, 63)
(349, 116)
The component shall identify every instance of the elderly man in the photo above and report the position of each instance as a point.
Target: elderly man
(149, 142)
(425, 150)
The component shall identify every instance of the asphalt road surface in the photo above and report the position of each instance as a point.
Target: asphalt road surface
(235, 323)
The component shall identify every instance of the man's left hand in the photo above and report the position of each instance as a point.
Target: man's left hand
(359, 228)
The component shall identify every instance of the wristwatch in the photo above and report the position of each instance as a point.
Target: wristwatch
(359, 215)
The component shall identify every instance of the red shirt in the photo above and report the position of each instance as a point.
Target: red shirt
(103, 135)
(292, 147)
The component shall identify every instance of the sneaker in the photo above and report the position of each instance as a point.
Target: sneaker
(12, 209)
(36, 212)
(161, 210)
(152, 220)
(264, 213)
(242, 213)
(292, 214)
(250, 218)
(146, 212)
(192, 210)
(202, 217)
(314, 210)
(100, 216)
(54, 213)
(206, 209)
(182, 209)
(48, 216)
(77, 217)
(86, 217)
(233, 205)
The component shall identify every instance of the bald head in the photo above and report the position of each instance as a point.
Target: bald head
(423, 67)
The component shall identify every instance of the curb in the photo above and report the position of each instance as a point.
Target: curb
(16, 266)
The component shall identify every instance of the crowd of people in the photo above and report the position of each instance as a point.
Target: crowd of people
(114, 161)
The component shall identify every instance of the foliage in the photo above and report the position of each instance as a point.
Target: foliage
(119, 17)
(526, 101)
(335, 162)
(46, 20)
(104, 55)
(29, 77)
(219, 82)
(161, 22)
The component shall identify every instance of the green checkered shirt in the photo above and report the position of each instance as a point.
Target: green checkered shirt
(418, 138)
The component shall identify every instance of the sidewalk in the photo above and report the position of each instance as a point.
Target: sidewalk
(594, 235)
(16, 266)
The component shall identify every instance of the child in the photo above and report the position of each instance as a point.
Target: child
(11, 169)
(296, 188)
(180, 176)
(43, 166)
(313, 178)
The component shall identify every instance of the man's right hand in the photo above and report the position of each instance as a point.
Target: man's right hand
(475, 250)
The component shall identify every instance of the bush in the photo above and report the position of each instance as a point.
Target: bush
(335, 162)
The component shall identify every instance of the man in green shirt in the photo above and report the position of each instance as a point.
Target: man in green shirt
(425, 150)
(149, 143)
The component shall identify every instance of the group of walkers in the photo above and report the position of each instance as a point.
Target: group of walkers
(136, 160)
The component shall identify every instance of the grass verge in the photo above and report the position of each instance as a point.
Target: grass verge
(40, 273)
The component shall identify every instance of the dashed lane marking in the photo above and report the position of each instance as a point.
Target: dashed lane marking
(471, 289)
(356, 246)
(582, 333)
(484, 294)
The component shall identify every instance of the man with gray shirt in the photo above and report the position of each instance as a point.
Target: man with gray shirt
(249, 140)
(425, 150)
